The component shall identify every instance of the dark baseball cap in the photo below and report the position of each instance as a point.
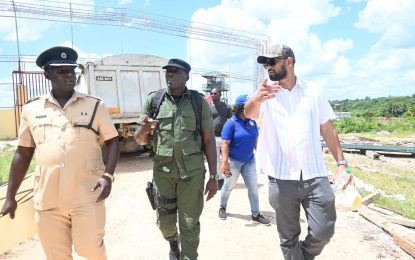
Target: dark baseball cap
(57, 56)
(276, 51)
(178, 64)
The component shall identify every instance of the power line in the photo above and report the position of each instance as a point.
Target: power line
(111, 16)
(54, 11)
(82, 60)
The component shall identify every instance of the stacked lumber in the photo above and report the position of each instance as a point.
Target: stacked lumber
(401, 229)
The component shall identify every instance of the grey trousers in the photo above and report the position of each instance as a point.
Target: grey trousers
(318, 201)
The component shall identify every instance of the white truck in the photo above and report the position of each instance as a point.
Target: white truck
(123, 82)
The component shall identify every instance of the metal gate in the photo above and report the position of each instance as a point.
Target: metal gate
(27, 85)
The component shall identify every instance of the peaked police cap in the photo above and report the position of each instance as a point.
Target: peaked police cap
(57, 56)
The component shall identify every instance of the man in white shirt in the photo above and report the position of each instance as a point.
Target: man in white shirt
(294, 115)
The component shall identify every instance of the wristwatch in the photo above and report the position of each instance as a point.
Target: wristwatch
(213, 177)
(112, 178)
(343, 162)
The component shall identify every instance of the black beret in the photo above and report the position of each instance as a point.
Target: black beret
(57, 56)
(178, 64)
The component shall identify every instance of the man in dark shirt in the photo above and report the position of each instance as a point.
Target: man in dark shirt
(220, 113)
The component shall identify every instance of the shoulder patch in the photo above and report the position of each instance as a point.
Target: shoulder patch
(97, 98)
(33, 99)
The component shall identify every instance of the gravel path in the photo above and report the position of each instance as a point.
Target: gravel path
(132, 233)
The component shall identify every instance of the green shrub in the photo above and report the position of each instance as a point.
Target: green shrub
(371, 124)
(6, 156)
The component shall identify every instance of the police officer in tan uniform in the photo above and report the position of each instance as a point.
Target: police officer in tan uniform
(65, 128)
(179, 170)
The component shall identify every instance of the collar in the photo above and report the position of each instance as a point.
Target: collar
(186, 91)
(299, 85)
(73, 98)
(237, 118)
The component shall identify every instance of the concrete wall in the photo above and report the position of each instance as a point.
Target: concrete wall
(7, 123)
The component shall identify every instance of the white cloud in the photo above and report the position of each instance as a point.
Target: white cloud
(31, 29)
(6, 92)
(326, 61)
(392, 19)
(356, 1)
(85, 55)
(390, 62)
(6, 84)
(284, 22)
(124, 2)
(379, 15)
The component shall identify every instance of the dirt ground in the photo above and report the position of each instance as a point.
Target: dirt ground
(131, 232)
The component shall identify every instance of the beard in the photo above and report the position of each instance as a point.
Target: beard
(274, 76)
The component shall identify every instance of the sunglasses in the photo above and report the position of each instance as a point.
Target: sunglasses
(214, 93)
(272, 61)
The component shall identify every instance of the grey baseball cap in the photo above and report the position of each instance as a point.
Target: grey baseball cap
(276, 51)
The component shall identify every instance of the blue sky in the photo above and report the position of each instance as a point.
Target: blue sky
(352, 48)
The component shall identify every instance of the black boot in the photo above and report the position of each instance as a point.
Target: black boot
(174, 253)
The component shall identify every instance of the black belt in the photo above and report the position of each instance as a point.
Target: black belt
(164, 200)
(272, 179)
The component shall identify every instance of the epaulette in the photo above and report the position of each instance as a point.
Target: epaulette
(33, 99)
(97, 98)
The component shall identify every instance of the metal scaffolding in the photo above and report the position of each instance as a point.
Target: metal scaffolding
(110, 16)
(48, 10)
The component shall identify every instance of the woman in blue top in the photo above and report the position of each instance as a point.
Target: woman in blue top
(239, 138)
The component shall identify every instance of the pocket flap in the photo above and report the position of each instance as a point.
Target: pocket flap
(165, 114)
(164, 151)
(43, 121)
(191, 149)
(188, 113)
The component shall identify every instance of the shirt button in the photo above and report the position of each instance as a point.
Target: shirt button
(62, 146)
(61, 165)
(63, 129)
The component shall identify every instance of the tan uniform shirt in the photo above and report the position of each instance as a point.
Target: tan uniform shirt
(68, 158)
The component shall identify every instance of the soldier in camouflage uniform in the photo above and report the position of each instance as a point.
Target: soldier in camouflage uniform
(179, 171)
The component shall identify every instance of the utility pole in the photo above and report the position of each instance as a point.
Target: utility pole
(17, 37)
(70, 13)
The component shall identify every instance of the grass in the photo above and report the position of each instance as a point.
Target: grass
(6, 156)
(392, 185)
(402, 134)
(395, 184)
